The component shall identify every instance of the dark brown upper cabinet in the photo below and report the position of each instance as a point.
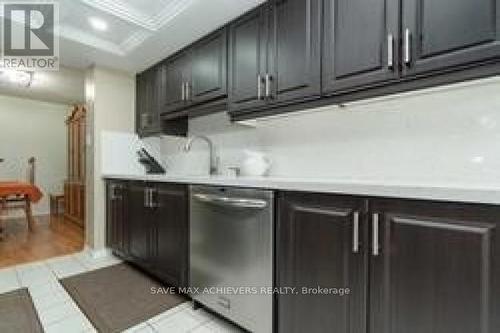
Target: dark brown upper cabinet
(209, 69)
(149, 87)
(435, 268)
(361, 45)
(275, 54)
(197, 74)
(294, 50)
(321, 241)
(248, 59)
(439, 35)
(286, 55)
(177, 73)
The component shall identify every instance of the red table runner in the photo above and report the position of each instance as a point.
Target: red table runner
(8, 189)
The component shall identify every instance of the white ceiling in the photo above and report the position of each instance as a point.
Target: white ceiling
(140, 32)
(64, 86)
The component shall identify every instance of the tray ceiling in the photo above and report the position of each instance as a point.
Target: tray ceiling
(139, 33)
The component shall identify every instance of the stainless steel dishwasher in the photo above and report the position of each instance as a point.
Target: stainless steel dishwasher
(231, 253)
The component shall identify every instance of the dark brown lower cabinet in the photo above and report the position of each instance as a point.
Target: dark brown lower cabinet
(317, 248)
(140, 224)
(171, 230)
(148, 226)
(117, 232)
(420, 267)
(437, 268)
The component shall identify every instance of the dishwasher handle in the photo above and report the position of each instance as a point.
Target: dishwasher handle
(230, 201)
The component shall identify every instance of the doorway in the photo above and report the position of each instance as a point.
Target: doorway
(42, 180)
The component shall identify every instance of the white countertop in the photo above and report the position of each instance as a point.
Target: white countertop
(441, 192)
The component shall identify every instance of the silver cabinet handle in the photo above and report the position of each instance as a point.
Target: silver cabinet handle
(188, 91)
(407, 43)
(183, 91)
(152, 203)
(376, 243)
(390, 51)
(355, 232)
(146, 197)
(233, 202)
(259, 87)
(268, 85)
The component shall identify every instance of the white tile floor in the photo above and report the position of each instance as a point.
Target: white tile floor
(60, 314)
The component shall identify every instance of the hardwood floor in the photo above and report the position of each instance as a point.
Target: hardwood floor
(53, 236)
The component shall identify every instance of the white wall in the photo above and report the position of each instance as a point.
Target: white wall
(110, 98)
(441, 135)
(32, 128)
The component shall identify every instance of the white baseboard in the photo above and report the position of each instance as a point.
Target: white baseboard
(98, 253)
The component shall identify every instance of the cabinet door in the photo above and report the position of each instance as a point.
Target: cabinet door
(248, 60)
(142, 107)
(148, 89)
(294, 50)
(140, 227)
(157, 98)
(117, 232)
(360, 43)
(436, 270)
(176, 76)
(209, 69)
(171, 234)
(316, 237)
(440, 35)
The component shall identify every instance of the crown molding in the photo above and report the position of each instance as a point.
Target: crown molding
(149, 22)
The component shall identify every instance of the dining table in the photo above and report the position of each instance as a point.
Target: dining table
(19, 194)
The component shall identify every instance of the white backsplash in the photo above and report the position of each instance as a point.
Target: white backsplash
(448, 134)
(119, 152)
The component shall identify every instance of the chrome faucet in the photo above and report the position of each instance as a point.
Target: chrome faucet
(213, 157)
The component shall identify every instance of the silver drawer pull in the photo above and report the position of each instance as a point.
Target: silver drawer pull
(355, 233)
(153, 193)
(268, 85)
(259, 87)
(188, 91)
(390, 51)
(146, 197)
(376, 243)
(407, 44)
(233, 202)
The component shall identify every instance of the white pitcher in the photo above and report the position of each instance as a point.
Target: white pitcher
(255, 164)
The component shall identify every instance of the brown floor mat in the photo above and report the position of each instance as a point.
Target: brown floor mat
(17, 313)
(118, 297)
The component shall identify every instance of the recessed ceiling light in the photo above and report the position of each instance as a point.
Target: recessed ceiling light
(98, 24)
